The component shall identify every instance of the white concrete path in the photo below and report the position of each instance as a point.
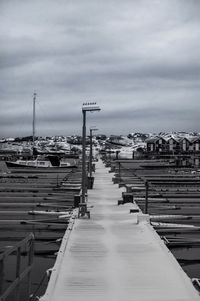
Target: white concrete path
(111, 257)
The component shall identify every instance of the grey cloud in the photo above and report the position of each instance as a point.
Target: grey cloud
(139, 59)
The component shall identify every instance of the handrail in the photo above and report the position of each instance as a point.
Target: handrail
(14, 248)
(19, 275)
(196, 283)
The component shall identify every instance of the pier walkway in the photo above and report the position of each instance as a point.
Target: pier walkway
(115, 255)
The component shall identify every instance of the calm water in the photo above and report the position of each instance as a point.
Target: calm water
(19, 194)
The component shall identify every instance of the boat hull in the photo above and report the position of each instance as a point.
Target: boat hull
(18, 166)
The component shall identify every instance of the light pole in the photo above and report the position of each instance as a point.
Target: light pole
(87, 107)
(92, 129)
(34, 100)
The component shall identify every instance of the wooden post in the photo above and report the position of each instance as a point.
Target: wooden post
(146, 197)
(117, 154)
(119, 170)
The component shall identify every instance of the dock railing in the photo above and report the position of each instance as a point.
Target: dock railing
(18, 249)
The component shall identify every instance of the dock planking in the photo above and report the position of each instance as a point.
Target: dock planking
(115, 255)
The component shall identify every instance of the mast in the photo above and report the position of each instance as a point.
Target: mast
(34, 99)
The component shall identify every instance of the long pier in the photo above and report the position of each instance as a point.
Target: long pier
(115, 255)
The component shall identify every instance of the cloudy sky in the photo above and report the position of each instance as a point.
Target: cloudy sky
(138, 59)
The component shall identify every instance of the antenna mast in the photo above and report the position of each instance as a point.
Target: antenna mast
(34, 99)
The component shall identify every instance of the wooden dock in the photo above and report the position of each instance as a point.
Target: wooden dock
(115, 255)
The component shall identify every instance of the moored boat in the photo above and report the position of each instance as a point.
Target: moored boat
(42, 162)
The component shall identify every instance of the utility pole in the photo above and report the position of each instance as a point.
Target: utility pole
(34, 100)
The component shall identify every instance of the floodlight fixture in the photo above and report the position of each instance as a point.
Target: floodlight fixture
(92, 128)
(90, 107)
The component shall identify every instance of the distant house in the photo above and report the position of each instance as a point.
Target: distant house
(156, 145)
(184, 145)
(194, 144)
(185, 151)
(191, 144)
(173, 145)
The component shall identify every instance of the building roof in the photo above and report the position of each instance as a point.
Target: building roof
(153, 139)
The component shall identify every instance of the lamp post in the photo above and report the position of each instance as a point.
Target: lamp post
(34, 100)
(87, 107)
(90, 163)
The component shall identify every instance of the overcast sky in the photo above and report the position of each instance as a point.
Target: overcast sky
(138, 59)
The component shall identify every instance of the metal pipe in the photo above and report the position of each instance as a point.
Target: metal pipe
(1, 275)
(18, 266)
(30, 262)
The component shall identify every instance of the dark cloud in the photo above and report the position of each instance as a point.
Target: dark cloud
(138, 59)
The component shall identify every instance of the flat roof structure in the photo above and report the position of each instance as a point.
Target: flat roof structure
(115, 255)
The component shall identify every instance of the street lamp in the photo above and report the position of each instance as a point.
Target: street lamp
(34, 101)
(92, 129)
(87, 107)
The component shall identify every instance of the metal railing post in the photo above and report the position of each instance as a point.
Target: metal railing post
(30, 262)
(18, 266)
(1, 275)
(19, 275)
